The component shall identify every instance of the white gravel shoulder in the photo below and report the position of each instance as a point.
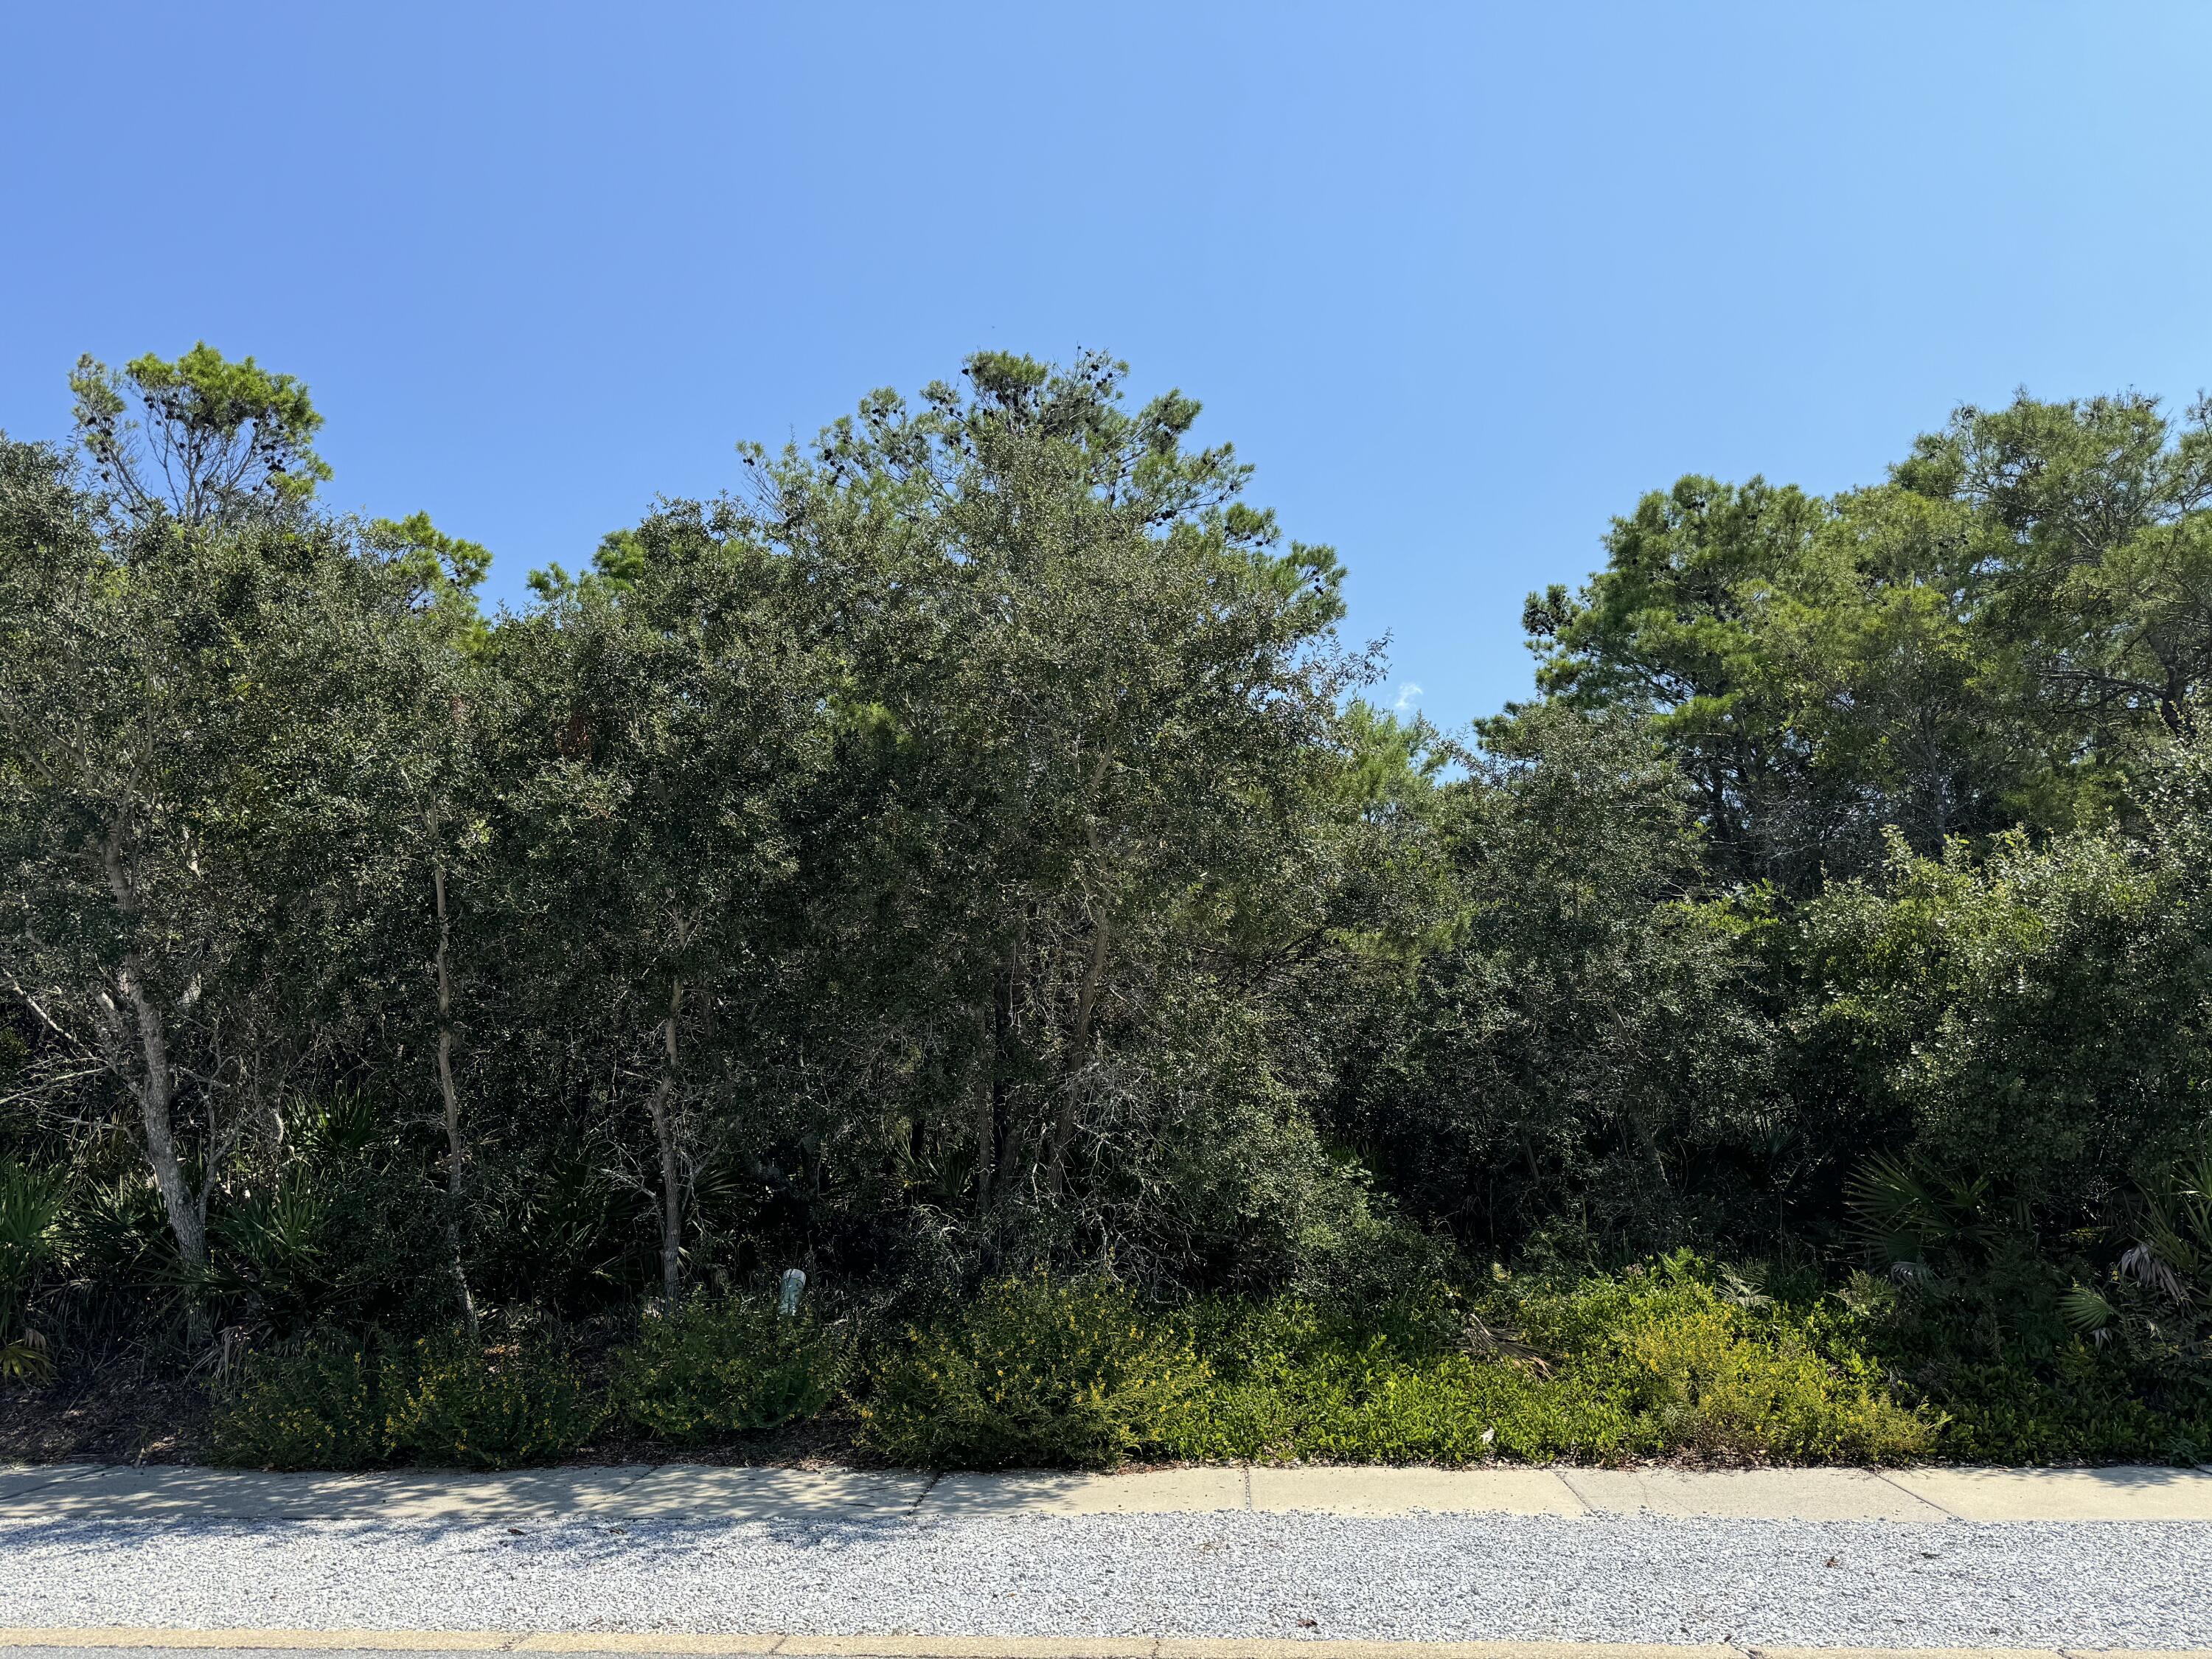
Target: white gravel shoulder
(1601, 1578)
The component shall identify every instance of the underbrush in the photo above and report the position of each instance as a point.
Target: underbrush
(1653, 1362)
(707, 1369)
(715, 1368)
(1038, 1372)
(2080, 1404)
(446, 1400)
(1676, 1359)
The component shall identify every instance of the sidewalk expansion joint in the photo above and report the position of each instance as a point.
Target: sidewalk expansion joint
(1884, 1476)
(1589, 1506)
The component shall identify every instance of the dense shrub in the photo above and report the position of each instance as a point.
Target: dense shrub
(445, 1400)
(1037, 1371)
(333, 1230)
(717, 1367)
(1723, 1376)
(2092, 1350)
(30, 1212)
(1652, 1362)
(1648, 1363)
(320, 1405)
(2086, 1404)
(494, 1409)
(1291, 1381)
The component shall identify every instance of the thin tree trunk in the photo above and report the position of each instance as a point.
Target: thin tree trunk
(991, 1124)
(1063, 1128)
(672, 1212)
(187, 1219)
(455, 1186)
(1086, 998)
(986, 1109)
(186, 1210)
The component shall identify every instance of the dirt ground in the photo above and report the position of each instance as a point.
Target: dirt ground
(114, 1415)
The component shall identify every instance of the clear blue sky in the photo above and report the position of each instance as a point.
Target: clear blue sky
(1462, 280)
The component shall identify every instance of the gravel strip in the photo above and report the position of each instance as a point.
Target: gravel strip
(1496, 1577)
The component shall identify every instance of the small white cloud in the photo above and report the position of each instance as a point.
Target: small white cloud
(1409, 695)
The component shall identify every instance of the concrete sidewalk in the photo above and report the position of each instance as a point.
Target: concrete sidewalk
(680, 1491)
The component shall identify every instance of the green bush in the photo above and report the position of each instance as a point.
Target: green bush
(1665, 1360)
(30, 1215)
(320, 1405)
(1291, 1383)
(718, 1367)
(1701, 1373)
(1645, 1364)
(1038, 1372)
(337, 1231)
(2084, 1404)
(445, 1401)
(491, 1408)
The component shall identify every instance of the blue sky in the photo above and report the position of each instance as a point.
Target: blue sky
(1463, 281)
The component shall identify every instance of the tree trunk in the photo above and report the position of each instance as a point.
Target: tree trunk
(187, 1221)
(1063, 1128)
(2173, 702)
(987, 1111)
(1086, 998)
(451, 1096)
(991, 1125)
(186, 1210)
(664, 1132)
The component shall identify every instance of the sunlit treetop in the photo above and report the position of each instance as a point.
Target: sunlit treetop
(198, 439)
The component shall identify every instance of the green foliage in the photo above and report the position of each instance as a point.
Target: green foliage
(445, 1401)
(330, 1228)
(320, 1404)
(1701, 1372)
(2083, 1403)
(1991, 637)
(1291, 1380)
(446, 569)
(31, 1202)
(2093, 1349)
(2157, 1297)
(463, 1403)
(1037, 1372)
(1657, 1362)
(1584, 1033)
(1651, 1361)
(2035, 1009)
(964, 855)
(714, 1367)
(220, 434)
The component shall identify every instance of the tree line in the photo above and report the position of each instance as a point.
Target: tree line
(968, 847)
